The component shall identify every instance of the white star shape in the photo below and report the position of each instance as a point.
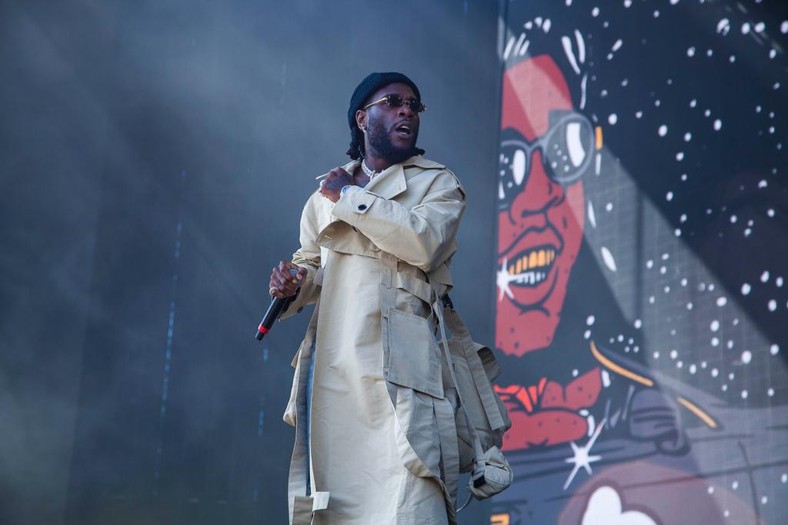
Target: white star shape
(502, 280)
(581, 457)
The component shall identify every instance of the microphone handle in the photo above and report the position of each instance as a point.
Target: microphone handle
(278, 305)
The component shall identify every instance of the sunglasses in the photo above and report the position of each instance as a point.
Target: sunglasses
(394, 101)
(567, 151)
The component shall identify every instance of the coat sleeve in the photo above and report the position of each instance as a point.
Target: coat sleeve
(423, 235)
(307, 256)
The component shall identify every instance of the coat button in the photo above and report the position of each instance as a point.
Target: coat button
(362, 207)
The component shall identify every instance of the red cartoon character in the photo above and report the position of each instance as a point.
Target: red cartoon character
(546, 147)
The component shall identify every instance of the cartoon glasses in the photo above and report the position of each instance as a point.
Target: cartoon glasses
(567, 150)
(394, 100)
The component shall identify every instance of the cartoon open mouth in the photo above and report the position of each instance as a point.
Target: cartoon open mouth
(530, 267)
(528, 278)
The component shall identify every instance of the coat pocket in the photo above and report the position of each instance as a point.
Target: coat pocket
(411, 353)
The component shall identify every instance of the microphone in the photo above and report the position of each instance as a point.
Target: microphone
(277, 306)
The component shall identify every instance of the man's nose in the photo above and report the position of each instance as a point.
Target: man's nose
(539, 193)
(405, 110)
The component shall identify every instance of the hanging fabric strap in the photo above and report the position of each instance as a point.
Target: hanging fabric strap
(303, 502)
(396, 275)
(477, 476)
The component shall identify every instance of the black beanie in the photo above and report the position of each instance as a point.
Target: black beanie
(369, 85)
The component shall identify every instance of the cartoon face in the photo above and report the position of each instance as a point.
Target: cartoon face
(545, 148)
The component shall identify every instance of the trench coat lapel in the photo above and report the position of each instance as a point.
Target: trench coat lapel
(394, 180)
(390, 183)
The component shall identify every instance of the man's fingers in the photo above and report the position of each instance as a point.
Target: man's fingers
(286, 277)
(338, 173)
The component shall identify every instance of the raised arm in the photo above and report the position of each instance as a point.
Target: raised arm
(422, 235)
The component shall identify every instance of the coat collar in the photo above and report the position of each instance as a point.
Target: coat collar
(393, 181)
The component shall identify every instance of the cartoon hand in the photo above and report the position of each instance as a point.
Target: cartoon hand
(652, 416)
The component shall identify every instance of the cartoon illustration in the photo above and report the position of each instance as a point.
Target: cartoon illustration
(547, 147)
(545, 150)
(606, 375)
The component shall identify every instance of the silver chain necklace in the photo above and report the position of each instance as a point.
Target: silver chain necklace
(368, 171)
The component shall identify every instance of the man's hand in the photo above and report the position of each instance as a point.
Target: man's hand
(285, 283)
(336, 179)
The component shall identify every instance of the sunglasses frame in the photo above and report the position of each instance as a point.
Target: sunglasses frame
(420, 108)
(543, 142)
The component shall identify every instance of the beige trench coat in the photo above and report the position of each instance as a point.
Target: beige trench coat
(377, 456)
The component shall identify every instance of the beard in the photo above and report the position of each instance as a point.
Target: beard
(380, 143)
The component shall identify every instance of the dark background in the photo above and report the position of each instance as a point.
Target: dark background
(154, 157)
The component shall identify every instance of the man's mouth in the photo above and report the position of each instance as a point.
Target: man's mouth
(404, 130)
(530, 267)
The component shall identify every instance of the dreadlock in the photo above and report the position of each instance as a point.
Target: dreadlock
(356, 150)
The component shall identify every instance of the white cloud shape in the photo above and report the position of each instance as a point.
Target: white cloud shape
(604, 508)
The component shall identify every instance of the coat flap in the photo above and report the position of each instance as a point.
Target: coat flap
(340, 237)
(393, 181)
(388, 184)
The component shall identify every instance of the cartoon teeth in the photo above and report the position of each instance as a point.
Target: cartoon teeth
(529, 278)
(532, 260)
(528, 269)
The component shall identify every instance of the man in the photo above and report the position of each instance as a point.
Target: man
(376, 242)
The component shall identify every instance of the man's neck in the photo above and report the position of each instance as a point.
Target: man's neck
(377, 164)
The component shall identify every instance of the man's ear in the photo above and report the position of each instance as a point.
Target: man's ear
(361, 119)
